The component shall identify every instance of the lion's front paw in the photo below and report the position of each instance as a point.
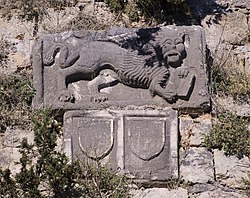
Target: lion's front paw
(66, 96)
(99, 98)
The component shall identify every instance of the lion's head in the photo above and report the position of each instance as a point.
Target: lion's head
(172, 47)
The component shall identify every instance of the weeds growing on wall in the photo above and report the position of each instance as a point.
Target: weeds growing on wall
(230, 133)
(100, 182)
(157, 10)
(228, 79)
(16, 93)
(78, 22)
(231, 81)
(45, 171)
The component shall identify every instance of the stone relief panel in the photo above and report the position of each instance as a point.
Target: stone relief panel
(90, 136)
(120, 67)
(139, 143)
(151, 146)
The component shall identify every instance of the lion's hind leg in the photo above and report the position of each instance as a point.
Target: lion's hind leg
(106, 78)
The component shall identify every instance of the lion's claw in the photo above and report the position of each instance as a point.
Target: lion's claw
(66, 96)
(99, 98)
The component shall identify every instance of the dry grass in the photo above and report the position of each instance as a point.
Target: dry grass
(228, 80)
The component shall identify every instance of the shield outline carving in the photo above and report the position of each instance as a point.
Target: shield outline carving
(159, 145)
(105, 150)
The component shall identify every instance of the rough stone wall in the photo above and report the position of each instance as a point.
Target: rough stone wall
(228, 35)
(205, 173)
(209, 173)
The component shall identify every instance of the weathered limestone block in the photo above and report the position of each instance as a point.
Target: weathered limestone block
(121, 67)
(227, 29)
(200, 188)
(20, 40)
(160, 193)
(219, 193)
(240, 57)
(227, 39)
(141, 143)
(229, 104)
(193, 131)
(237, 4)
(197, 165)
(230, 170)
(214, 190)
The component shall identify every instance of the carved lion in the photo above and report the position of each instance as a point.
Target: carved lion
(87, 60)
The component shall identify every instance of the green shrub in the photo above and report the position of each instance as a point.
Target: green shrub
(50, 175)
(116, 5)
(158, 10)
(16, 93)
(132, 10)
(46, 172)
(162, 9)
(99, 182)
(230, 133)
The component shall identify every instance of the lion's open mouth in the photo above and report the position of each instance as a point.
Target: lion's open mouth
(173, 53)
(172, 56)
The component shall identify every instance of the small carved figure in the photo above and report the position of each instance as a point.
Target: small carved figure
(86, 61)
